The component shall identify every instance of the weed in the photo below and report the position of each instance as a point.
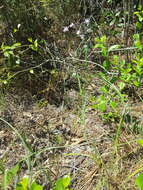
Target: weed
(62, 183)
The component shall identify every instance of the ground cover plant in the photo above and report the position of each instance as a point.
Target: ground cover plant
(71, 110)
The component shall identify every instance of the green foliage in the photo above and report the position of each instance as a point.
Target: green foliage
(137, 42)
(139, 178)
(108, 102)
(12, 59)
(139, 181)
(8, 176)
(139, 14)
(101, 44)
(34, 44)
(140, 142)
(62, 183)
(124, 75)
(28, 14)
(25, 184)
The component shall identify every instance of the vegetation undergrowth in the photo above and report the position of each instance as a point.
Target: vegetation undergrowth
(85, 59)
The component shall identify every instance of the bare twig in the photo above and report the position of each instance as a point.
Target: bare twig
(120, 49)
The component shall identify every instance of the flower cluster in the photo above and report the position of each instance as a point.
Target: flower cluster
(82, 29)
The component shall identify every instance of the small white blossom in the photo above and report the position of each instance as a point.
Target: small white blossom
(66, 29)
(45, 18)
(71, 25)
(87, 20)
(78, 32)
(18, 26)
(89, 30)
(85, 46)
(82, 36)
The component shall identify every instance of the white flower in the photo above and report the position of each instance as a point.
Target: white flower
(89, 30)
(82, 36)
(85, 46)
(66, 29)
(71, 25)
(78, 32)
(87, 20)
(18, 26)
(45, 18)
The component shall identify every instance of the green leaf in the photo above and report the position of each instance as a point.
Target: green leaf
(66, 181)
(104, 51)
(15, 30)
(30, 40)
(2, 166)
(111, 48)
(113, 104)
(8, 53)
(140, 142)
(106, 63)
(62, 183)
(4, 81)
(138, 25)
(104, 89)
(36, 43)
(103, 39)
(102, 106)
(23, 184)
(16, 45)
(99, 46)
(121, 85)
(35, 186)
(136, 83)
(139, 181)
(4, 47)
(9, 175)
(59, 185)
(94, 106)
(140, 18)
(31, 71)
(112, 22)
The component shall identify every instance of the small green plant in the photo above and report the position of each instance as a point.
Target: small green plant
(101, 44)
(25, 184)
(139, 14)
(139, 181)
(118, 76)
(33, 44)
(62, 183)
(12, 59)
(8, 175)
(107, 104)
(137, 42)
(110, 98)
(139, 178)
